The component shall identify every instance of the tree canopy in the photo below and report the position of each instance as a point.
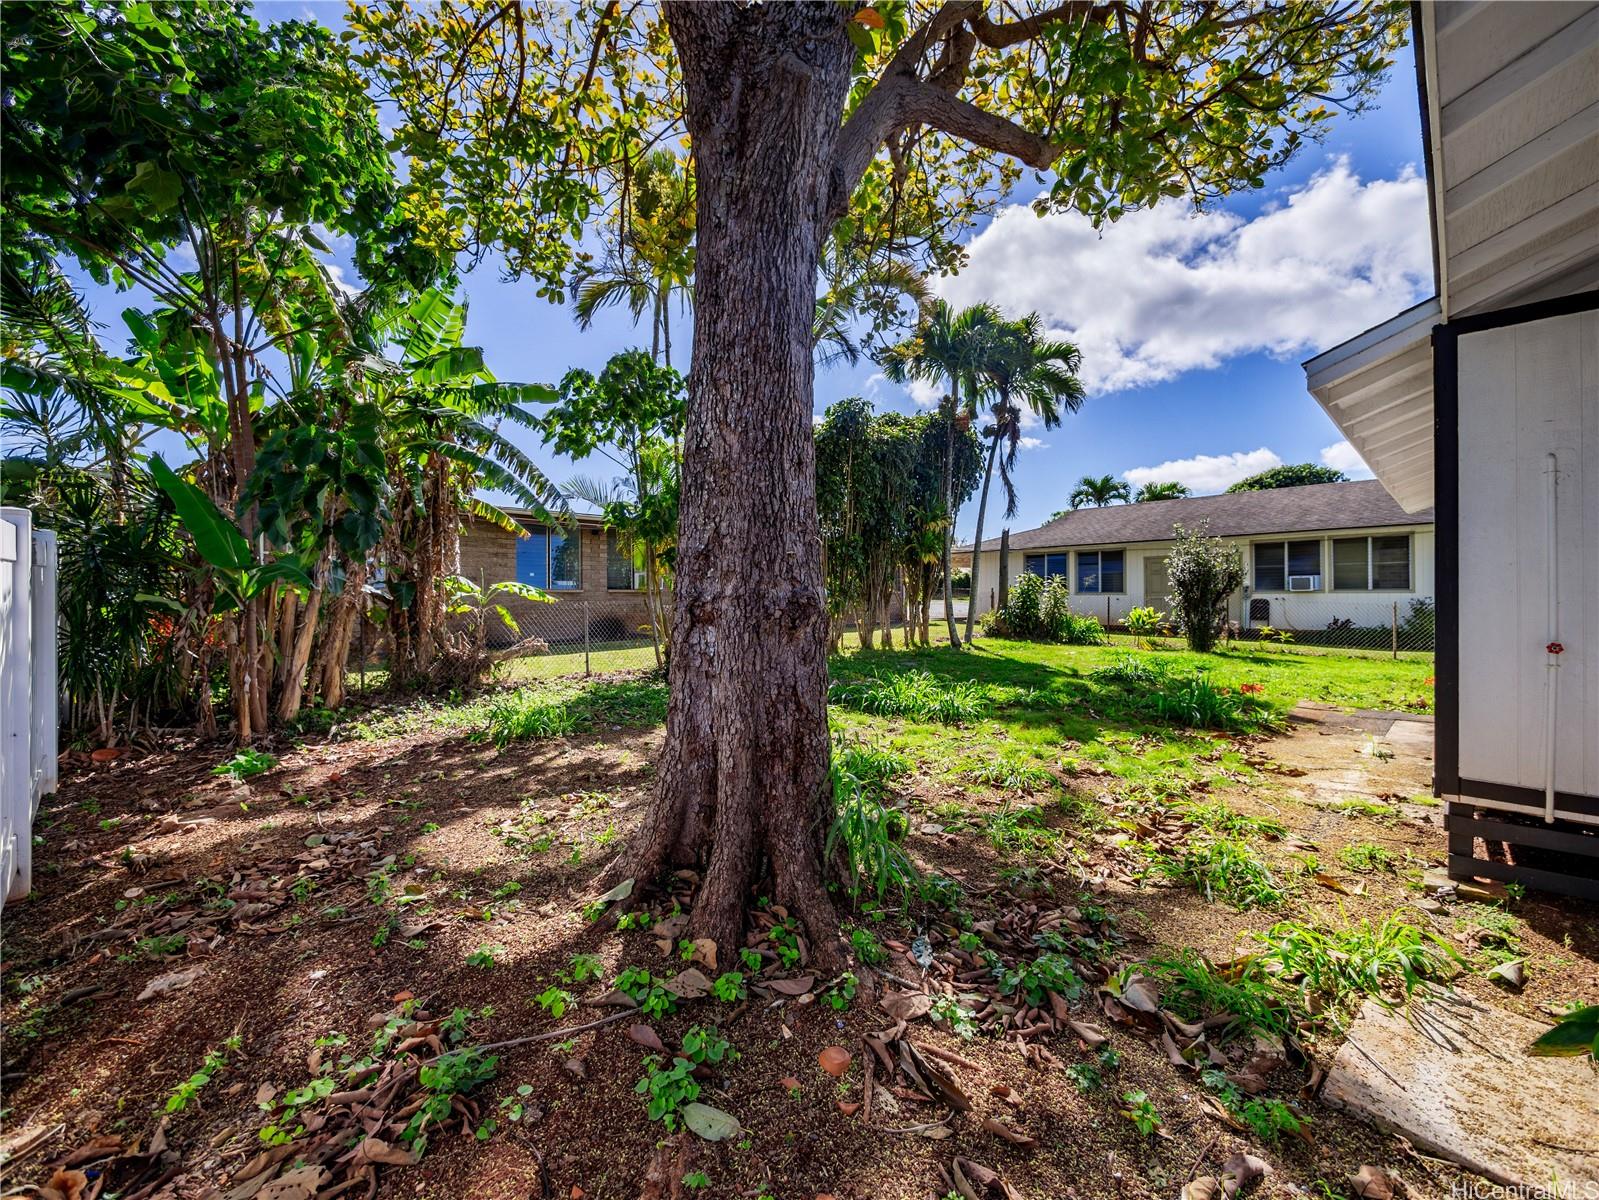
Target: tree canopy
(1161, 491)
(524, 124)
(1289, 475)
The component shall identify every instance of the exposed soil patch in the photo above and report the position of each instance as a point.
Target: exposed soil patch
(431, 871)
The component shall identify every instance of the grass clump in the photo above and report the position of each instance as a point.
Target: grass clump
(920, 695)
(1359, 806)
(1328, 970)
(244, 764)
(534, 712)
(1152, 688)
(1225, 869)
(1021, 831)
(638, 703)
(1195, 988)
(1366, 858)
(527, 714)
(1009, 775)
(866, 832)
(1221, 817)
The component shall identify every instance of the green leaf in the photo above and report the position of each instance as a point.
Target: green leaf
(218, 539)
(712, 1124)
(620, 892)
(1576, 1033)
(282, 571)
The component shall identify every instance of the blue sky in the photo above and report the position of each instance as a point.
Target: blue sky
(1192, 327)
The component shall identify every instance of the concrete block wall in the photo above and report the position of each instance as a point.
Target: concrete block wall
(488, 555)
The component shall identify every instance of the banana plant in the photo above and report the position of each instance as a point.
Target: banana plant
(239, 578)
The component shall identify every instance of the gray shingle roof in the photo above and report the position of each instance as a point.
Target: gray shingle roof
(1362, 504)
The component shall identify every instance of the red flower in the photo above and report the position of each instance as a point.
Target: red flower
(1250, 689)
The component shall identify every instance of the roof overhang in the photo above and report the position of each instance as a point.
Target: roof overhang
(1377, 388)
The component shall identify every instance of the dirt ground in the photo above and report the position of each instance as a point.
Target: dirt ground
(177, 915)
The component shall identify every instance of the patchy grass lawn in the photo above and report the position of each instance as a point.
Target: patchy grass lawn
(392, 933)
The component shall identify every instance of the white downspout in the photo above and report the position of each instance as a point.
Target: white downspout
(1553, 648)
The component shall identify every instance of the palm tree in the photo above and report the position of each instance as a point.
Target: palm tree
(1161, 491)
(1027, 372)
(1096, 491)
(948, 347)
(852, 285)
(654, 257)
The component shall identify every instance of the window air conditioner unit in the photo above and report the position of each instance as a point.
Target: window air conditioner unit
(641, 580)
(1304, 583)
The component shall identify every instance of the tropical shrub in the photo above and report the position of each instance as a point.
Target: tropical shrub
(1040, 610)
(1202, 572)
(1144, 622)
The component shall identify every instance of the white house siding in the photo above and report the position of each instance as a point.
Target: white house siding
(1526, 391)
(1289, 610)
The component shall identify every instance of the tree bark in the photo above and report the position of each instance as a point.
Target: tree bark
(743, 776)
(977, 540)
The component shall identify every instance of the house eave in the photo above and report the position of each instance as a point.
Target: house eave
(1377, 388)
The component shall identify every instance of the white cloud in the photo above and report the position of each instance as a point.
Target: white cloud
(1341, 456)
(1166, 290)
(336, 277)
(1032, 443)
(1206, 473)
(926, 395)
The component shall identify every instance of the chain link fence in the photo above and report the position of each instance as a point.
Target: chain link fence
(567, 638)
(574, 637)
(1396, 625)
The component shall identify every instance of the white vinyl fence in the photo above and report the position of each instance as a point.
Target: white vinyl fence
(28, 691)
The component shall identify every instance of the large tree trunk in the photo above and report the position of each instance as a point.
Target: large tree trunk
(743, 774)
(977, 539)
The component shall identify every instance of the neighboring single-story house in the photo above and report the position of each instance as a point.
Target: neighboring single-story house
(597, 582)
(1485, 401)
(1315, 557)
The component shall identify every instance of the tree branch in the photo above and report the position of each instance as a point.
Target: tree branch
(997, 36)
(903, 101)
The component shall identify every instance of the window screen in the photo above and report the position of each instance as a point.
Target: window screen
(1269, 563)
(565, 552)
(1101, 571)
(1349, 565)
(1304, 558)
(1047, 565)
(1390, 562)
(618, 563)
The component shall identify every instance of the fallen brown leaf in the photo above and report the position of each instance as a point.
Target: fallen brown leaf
(797, 986)
(376, 1150)
(906, 1006)
(646, 1037)
(1240, 1170)
(999, 1129)
(172, 981)
(65, 1185)
(1091, 1035)
(1372, 1183)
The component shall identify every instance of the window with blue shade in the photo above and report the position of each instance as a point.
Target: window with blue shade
(1102, 571)
(533, 558)
(1047, 565)
(549, 559)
